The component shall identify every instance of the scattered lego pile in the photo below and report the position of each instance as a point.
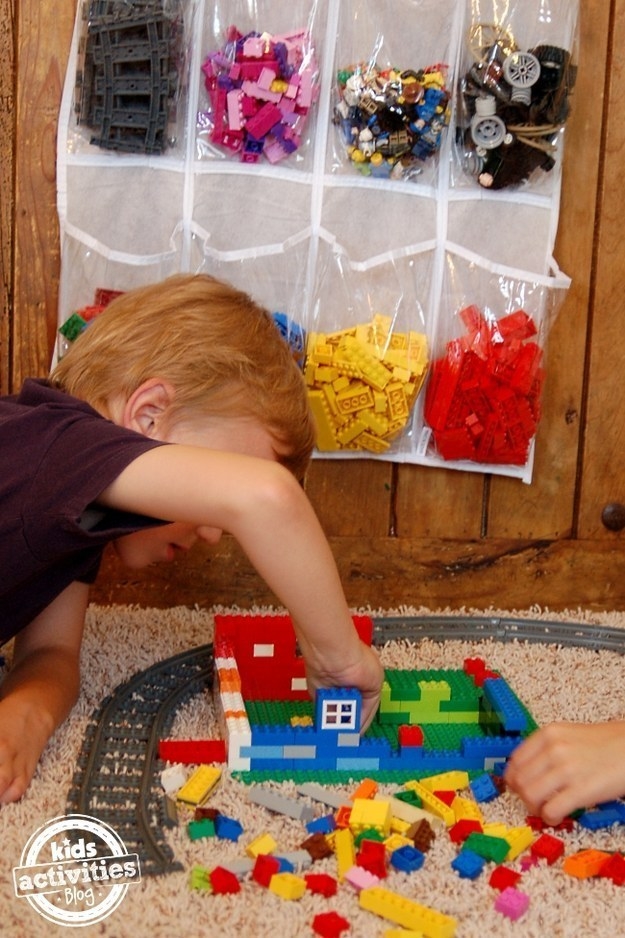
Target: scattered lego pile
(483, 397)
(261, 88)
(362, 384)
(369, 835)
(391, 120)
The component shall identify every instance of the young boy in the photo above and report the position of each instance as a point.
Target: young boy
(566, 766)
(178, 414)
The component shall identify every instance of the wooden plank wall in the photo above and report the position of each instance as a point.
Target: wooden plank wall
(401, 534)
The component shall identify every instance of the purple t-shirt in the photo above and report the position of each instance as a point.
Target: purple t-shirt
(57, 454)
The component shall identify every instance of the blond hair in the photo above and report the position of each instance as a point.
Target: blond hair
(220, 351)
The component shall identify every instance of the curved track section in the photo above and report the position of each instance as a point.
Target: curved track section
(117, 778)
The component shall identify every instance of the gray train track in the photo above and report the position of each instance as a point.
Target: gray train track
(117, 776)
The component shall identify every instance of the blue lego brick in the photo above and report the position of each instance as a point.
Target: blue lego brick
(506, 705)
(484, 747)
(468, 864)
(285, 865)
(325, 824)
(407, 859)
(484, 788)
(258, 764)
(338, 709)
(272, 735)
(599, 818)
(375, 746)
(355, 764)
(262, 752)
(227, 828)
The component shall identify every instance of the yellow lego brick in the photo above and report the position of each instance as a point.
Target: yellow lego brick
(377, 423)
(394, 427)
(341, 383)
(337, 418)
(398, 826)
(402, 933)
(372, 370)
(345, 850)
(321, 354)
(356, 397)
(408, 814)
(465, 809)
(301, 721)
(368, 814)
(335, 338)
(287, 885)
(397, 403)
(379, 402)
(199, 786)
(347, 433)
(495, 829)
(396, 908)
(326, 439)
(264, 843)
(324, 374)
(372, 443)
(520, 839)
(381, 324)
(447, 781)
(395, 841)
(309, 373)
(433, 804)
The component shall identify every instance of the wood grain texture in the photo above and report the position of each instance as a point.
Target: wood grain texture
(603, 473)
(388, 572)
(43, 39)
(7, 203)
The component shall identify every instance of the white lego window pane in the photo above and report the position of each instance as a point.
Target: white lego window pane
(339, 715)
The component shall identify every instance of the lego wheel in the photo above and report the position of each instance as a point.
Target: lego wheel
(521, 69)
(488, 132)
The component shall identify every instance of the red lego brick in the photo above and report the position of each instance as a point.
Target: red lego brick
(223, 881)
(321, 883)
(330, 925)
(503, 877)
(547, 848)
(410, 735)
(459, 831)
(614, 869)
(372, 857)
(192, 751)
(265, 867)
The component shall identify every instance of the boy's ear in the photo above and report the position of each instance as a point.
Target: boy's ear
(146, 409)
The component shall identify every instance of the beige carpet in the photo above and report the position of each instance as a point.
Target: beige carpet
(555, 683)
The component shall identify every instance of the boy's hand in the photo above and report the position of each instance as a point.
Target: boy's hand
(24, 732)
(365, 673)
(566, 766)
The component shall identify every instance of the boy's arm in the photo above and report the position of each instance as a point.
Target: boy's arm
(261, 504)
(41, 687)
(566, 766)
